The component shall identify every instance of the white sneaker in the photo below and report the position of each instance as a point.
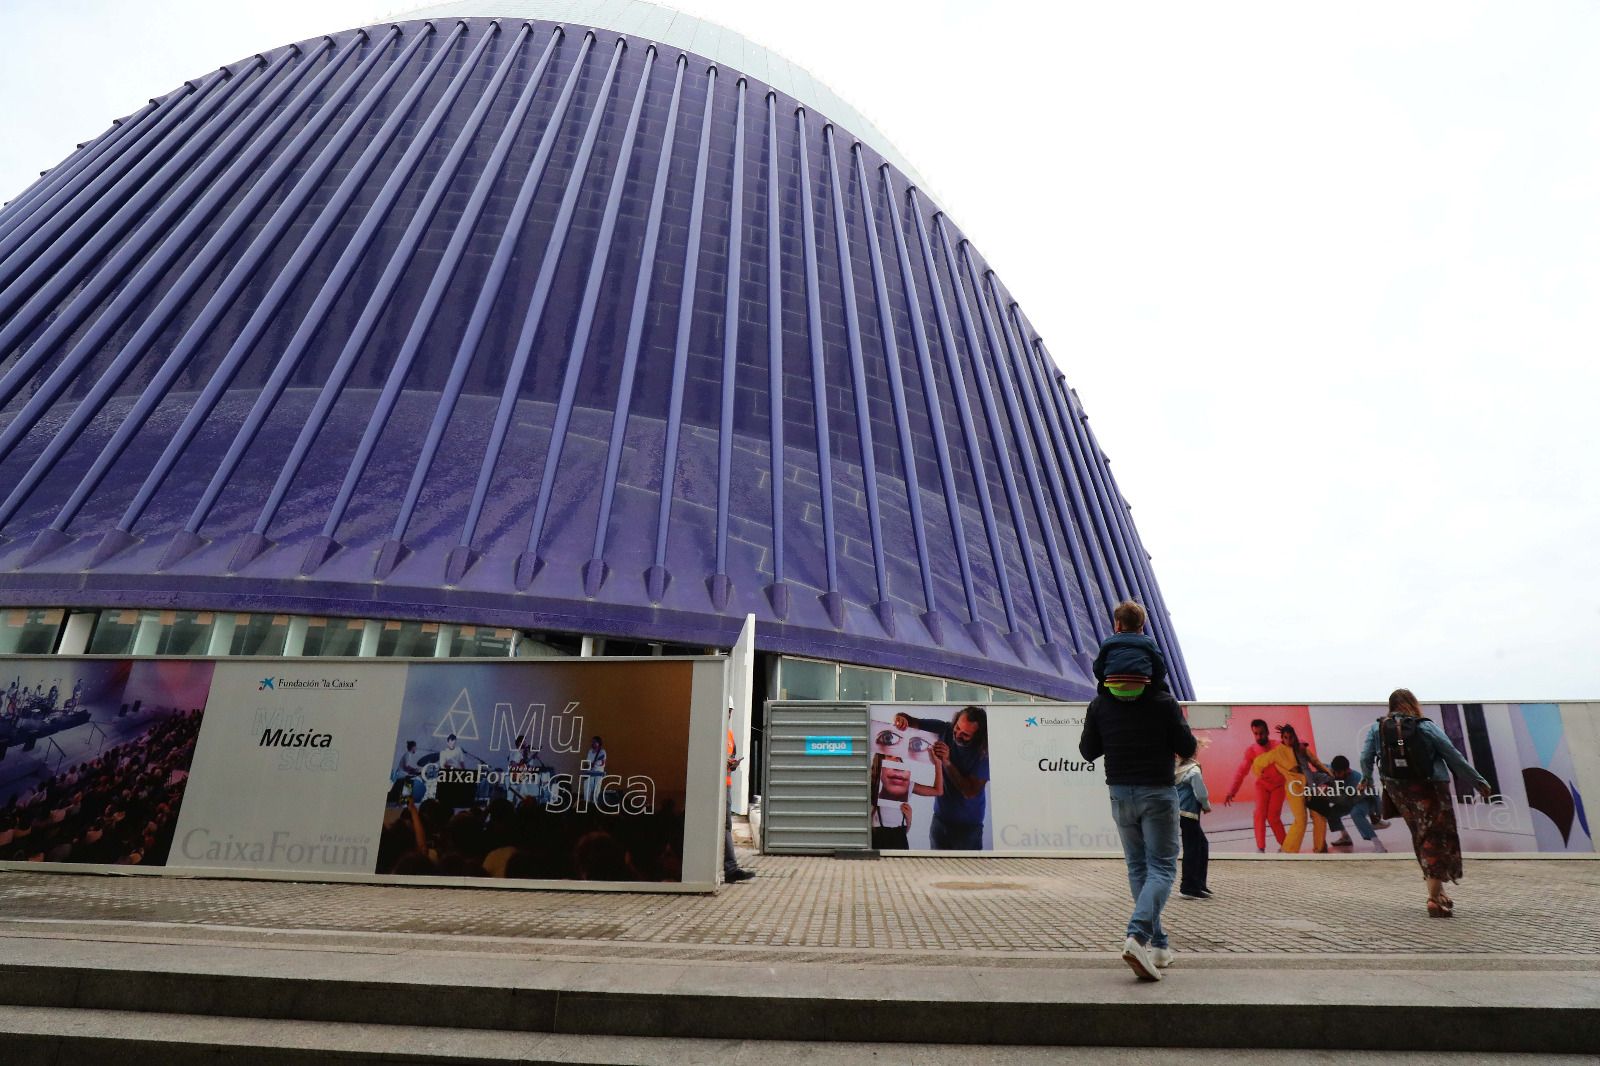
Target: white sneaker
(1162, 957)
(1137, 956)
(1377, 845)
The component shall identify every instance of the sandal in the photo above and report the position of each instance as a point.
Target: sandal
(1439, 908)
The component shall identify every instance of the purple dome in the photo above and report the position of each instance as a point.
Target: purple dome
(515, 323)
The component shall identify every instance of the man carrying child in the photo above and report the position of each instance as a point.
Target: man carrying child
(1137, 727)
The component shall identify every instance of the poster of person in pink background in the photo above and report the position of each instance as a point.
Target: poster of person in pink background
(1288, 779)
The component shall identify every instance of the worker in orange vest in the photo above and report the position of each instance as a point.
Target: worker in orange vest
(732, 872)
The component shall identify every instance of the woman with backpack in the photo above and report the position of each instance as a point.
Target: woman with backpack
(1415, 759)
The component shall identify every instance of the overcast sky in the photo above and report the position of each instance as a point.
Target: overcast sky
(1325, 277)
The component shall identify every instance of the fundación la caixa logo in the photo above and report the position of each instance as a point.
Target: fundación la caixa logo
(1053, 719)
(277, 684)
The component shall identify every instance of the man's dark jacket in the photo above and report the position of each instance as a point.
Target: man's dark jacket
(1138, 738)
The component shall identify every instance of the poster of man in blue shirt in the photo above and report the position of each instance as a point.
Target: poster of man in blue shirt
(960, 811)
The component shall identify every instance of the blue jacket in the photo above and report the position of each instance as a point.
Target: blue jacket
(1130, 653)
(1192, 796)
(1445, 756)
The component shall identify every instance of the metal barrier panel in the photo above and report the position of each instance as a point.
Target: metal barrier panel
(354, 769)
(1516, 773)
(814, 784)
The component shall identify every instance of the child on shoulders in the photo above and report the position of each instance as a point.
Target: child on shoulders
(1129, 661)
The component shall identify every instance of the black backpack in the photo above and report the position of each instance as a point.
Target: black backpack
(1405, 750)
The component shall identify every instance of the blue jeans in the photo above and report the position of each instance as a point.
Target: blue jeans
(1359, 815)
(1147, 819)
(730, 859)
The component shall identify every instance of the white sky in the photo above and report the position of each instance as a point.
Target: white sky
(1325, 277)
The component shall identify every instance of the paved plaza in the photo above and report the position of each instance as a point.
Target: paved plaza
(895, 911)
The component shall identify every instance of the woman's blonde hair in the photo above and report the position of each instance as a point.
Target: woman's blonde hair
(1402, 701)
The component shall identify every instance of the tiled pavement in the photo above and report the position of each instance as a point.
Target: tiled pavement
(902, 911)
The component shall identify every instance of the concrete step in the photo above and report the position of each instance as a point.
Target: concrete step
(1420, 1007)
(41, 1036)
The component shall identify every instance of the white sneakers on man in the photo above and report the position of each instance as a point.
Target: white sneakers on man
(1162, 957)
(1138, 958)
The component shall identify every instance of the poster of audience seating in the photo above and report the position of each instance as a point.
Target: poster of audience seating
(528, 772)
(1015, 782)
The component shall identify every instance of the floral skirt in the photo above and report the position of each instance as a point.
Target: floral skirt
(1431, 816)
